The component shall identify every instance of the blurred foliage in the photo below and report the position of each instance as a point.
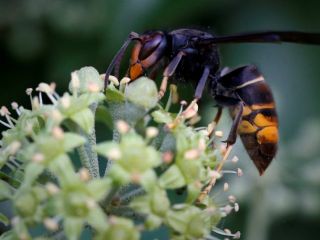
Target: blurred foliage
(44, 39)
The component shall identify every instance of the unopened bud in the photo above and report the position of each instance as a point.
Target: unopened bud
(227, 209)
(35, 103)
(52, 188)
(167, 157)
(215, 174)
(51, 224)
(183, 103)
(114, 154)
(75, 82)
(56, 115)
(14, 147)
(114, 80)
(124, 80)
(232, 198)
(191, 111)
(91, 204)
(235, 159)
(236, 207)
(237, 235)
(14, 105)
(29, 91)
(135, 178)
(202, 144)
(93, 87)
(38, 158)
(225, 187)
(58, 133)
(239, 172)
(191, 154)
(84, 174)
(152, 132)
(44, 87)
(218, 134)
(4, 111)
(65, 101)
(53, 86)
(122, 126)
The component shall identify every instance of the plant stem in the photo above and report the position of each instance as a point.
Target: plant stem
(88, 155)
(108, 199)
(13, 182)
(115, 138)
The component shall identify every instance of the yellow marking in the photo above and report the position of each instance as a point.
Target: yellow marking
(258, 79)
(136, 71)
(268, 135)
(246, 111)
(263, 121)
(246, 127)
(263, 106)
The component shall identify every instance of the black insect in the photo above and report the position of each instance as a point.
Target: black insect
(192, 56)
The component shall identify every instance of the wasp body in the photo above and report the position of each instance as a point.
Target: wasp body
(192, 56)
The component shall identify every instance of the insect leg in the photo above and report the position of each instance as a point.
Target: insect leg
(169, 71)
(199, 90)
(232, 137)
(215, 121)
(230, 141)
(118, 57)
(202, 83)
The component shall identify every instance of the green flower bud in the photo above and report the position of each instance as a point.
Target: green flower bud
(26, 204)
(120, 229)
(143, 92)
(87, 79)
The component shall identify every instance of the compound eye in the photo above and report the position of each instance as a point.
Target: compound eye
(149, 45)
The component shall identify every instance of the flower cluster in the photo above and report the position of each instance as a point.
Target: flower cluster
(157, 165)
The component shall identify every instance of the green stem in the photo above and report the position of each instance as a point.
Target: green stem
(13, 182)
(108, 199)
(88, 156)
(115, 138)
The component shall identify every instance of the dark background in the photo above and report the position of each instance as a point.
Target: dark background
(44, 40)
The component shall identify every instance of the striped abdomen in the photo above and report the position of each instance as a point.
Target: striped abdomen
(258, 128)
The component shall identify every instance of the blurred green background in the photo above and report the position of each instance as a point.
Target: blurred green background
(44, 40)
